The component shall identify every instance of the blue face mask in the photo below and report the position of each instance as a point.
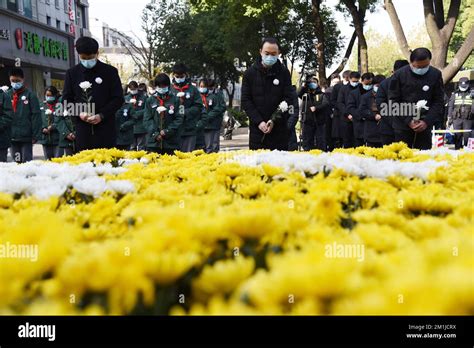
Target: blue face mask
(163, 90)
(313, 85)
(17, 85)
(269, 60)
(420, 71)
(354, 84)
(88, 63)
(367, 87)
(180, 80)
(203, 90)
(50, 99)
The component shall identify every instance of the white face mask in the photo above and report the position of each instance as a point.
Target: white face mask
(463, 89)
(345, 82)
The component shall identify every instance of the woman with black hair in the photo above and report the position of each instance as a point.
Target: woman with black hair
(49, 130)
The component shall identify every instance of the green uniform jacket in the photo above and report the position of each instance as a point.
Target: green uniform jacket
(65, 126)
(124, 123)
(193, 107)
(26, 125)
(5, 120)
(214, 113)
(137, 111)
(49, 120)
(171, 123)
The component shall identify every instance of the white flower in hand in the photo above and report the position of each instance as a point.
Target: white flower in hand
(133, 101)
(23, 98)
(65, 113)
(4, 88)
(180, 94)
(161, 109)
(48, 112)
(421, 104)
(276, 82)
(85, 85)
(98, 81)
(283, 106)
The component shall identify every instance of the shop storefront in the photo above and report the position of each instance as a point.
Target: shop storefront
(44, 53)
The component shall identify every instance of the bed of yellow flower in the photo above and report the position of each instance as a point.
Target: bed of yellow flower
(202, 235)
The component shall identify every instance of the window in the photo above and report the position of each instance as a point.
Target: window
(27, 9)
(48, 20)
(58, 24)
(12, 5)
(67, 28)
(66, 6)
(56, 3)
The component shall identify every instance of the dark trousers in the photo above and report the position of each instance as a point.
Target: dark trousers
(188, 143)
(420, 141)
(373, 144)
(347, 129)
(123, 147)
(212, 141)
(50, 151)
(139, 142)
(3, 155)
(359, 142)
(161, 151)
(387, 139)
(22, 152)
(328, 133)
(461, 139)
(65, 151)
(314, 136)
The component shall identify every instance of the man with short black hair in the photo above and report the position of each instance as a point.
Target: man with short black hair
(353, 104)
(5, 123)
(347, 127)
(413, 85)
(370, 114)
(266, 84)
(26, 125)
(95, 128)
(387, 135)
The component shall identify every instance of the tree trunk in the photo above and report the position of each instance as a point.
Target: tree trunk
(320, 45)
(397, 27)
(358, 16)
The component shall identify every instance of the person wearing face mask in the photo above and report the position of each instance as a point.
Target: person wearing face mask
(50, 134)
(26, 126)
(461, 112)
(387, 133)
(337, 123)
(347, 127)
(164, 118)
(136, 101)
(143, 89)
(370, 114)
(266, 84)
(95, 125)
(5, 123)
(411, 84)
(353, 107)
(215, 107)
(314, 107)
(190, 100)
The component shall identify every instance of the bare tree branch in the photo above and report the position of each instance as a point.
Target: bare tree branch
(431, 25)
(346, 55)
(450, 24)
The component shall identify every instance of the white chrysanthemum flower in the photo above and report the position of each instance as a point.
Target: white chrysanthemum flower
(121, 186)
(92, 186)
(161, 109)
(180, 94)
(85, 85)
(283, 106)
(4, 89)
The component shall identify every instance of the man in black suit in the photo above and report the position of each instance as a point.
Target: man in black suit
(96, 86)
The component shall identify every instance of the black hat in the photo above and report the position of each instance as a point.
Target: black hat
(464, 82)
